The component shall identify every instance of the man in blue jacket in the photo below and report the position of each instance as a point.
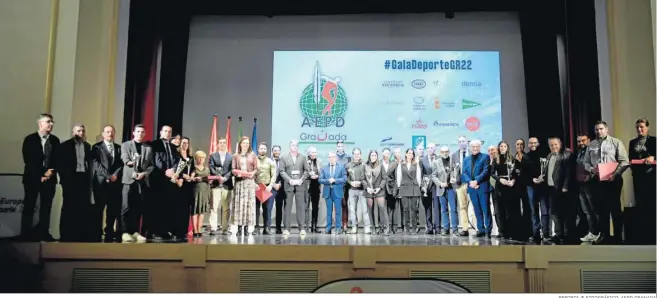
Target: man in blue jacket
(333, 178)
(475, 173)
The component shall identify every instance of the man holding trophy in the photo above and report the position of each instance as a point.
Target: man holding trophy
(533, 170)
(441, 195)
(137, 158)
(427, 164)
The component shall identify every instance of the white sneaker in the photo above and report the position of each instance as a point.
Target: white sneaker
(354, 230)
(302, 233)
(127, 238)
(286, 233)
(138, 237)
(589, 237)
(368, 230)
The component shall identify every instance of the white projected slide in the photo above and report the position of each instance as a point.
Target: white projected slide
(377, 99)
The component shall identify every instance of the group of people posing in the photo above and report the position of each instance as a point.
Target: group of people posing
(150, 190)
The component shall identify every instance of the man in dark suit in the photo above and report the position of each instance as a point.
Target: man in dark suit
(333, 177)
(137, 158)
(563, 206)
(74, 168)
(39, 178)
(106, 184)
(220, 164)
(294, 170)
(160, 208)
(476, 175)
(427, 165)
(278, 191)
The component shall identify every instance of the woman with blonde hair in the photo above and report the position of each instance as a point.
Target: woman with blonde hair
(245, 166)
(201, 191)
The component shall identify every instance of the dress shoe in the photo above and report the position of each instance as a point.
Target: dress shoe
(464, 234)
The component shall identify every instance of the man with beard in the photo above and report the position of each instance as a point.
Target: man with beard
(537, 191)
(160, 206)
(294, 170)
(427, 166)
(460, 188)
(447, 200)
(342, 158)
(73, 166)
(357, 202)
(582, 186)
(266, 176)
(606, 149)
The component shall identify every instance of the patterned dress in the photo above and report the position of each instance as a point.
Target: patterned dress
(202, 192)
(243, 211)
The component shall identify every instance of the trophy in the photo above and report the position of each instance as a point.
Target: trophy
(425, 185)
(544, 163)
(369, 177)
(311, 167)
(509, 169)
(456, 171)
(179, 169)
(137, 165)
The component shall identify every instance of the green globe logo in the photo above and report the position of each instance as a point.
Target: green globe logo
(323, 102)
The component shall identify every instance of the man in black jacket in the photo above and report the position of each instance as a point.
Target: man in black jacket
(106, 183)
(74, 168)
(39, 178)
(563, 207)
(160, 208)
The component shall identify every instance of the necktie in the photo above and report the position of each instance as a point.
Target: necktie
(110, 149)
(462, 156)
(47, 149)
(168, 151)
(332, 170)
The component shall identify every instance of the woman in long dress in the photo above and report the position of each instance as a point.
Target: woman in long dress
(202, 192)
(245, 165)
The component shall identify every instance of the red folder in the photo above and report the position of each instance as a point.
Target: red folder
(640, 162)
(606, 170)
(262, 194)
(214, 177)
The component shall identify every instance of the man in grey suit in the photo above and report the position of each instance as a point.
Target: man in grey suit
(138, 160)
(440, 200)
(294, 170)
(461, 189)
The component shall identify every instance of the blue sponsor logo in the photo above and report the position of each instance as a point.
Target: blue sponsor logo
(388, 142)
(419, 84)
(419, 141)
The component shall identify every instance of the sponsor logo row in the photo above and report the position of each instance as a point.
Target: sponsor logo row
(421, 84)
(420, 103)
(471, 123)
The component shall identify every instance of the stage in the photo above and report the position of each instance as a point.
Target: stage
(276, 263)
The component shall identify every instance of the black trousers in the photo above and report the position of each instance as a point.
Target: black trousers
(644, 195)
(610, 193)
(132, 208)
(427, 205)
(345, 207)
(525, 230)
(312, 204)
(581, 222)
(591, 206)
(107, 200)
(45, 192)
(181, 208)
(393, 205)
(281, 203)
(159, 212)
(563, 210)
(76, 210)
(410, 210)
(507, 211)
(298, 194)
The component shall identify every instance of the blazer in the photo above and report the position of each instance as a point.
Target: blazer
(33, 158)
(289, 166)
(340, 176)
(408, 181)
(251, 165)
(438, 176)
(481, 172)
(146, 162)
(67, 160)
(563, 169)
(162, 163)
(391, 183)
(456, 162)
(214, 163)
(378, 181)
(102, 168)
(499, 170)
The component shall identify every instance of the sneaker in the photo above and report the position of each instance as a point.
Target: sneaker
(589, 237)
(302, 233)
(598, 238)
(354, 230)
(138, 237)
(368, 230)
(127, 238)
(286, 233)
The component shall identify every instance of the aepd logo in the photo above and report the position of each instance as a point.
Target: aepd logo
(418, 84)
(323, 103)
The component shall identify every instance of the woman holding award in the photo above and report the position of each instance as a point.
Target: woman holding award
(202, 194)
(184, 197)
(507, 201)
(244, 168)
(409, 179)
(375, 185)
